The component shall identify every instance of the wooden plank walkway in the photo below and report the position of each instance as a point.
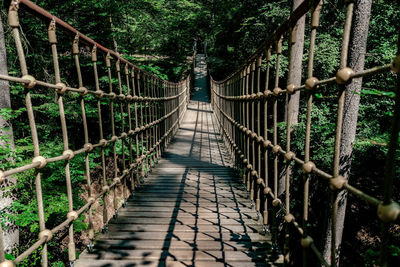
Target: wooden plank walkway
(192, 210)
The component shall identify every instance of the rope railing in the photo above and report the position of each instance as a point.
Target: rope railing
(242, 103)
(150, 110)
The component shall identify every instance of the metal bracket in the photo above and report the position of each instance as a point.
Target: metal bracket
(266, 230)
(275, 249)
(90, 246)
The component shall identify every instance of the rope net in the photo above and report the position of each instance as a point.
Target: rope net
(248, 105)
(144, 112)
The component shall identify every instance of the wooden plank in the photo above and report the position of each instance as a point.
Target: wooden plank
(196, 191)
(166, 185)
(185, 228)
(181, 255)
(182, 245)
(184, 221)
(208, 195)
(187, 209)
(186, 203)
(186, 236)
(160, 185)
(203, 200)
(147, 263)
(194, 187)
(180, 214)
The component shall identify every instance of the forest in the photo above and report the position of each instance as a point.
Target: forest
(159, 36)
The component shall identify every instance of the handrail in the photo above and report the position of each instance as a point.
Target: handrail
(150, 110)
(242, 107)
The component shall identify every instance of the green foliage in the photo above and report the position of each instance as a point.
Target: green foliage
(371, 256)
(24, 211)
(155, 70)
(9, 257)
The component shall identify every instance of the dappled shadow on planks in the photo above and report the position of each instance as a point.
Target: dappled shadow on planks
(192, 210)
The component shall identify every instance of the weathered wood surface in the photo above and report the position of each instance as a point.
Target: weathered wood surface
(192, 210)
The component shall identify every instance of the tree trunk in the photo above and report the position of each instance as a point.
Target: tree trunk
(10, 233)
(358, 47)
(296, 60)
(295, 64)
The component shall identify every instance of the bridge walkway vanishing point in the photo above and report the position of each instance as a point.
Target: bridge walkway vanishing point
(192, 210)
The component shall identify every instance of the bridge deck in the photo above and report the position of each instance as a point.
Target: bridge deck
(192, 210)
